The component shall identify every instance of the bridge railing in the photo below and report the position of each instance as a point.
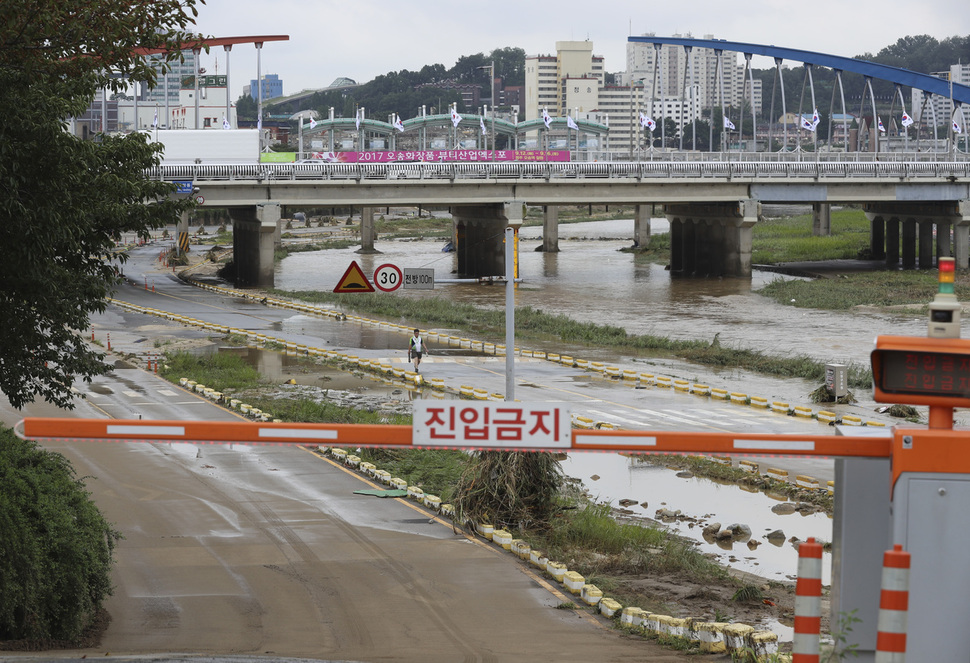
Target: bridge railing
(620, 170)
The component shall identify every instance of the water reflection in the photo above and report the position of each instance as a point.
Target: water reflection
(703, 502)
(593, 281)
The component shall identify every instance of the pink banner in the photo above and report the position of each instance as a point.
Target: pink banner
(437, 156)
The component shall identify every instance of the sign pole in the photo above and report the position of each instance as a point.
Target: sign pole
(509, 313)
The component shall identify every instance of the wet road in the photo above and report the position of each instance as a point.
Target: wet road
(266, 551)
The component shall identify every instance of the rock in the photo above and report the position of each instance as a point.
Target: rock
(741, 532)
(753, 544)
(666, 513)
(776, 537)
(685, 475)
(627, 502)
(783, 509)
(595, 477)
(644, 505)
(711, 529)
(724, 534)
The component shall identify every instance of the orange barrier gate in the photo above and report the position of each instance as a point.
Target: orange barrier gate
(376, 435)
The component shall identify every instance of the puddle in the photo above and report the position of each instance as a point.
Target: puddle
(623, 478)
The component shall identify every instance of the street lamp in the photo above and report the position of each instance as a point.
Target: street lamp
(491, 74)
(634, 130)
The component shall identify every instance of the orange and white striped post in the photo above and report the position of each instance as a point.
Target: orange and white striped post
(109, 341)
(893, 607)
(808, 603)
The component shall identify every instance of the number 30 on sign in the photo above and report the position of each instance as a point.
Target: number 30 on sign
(388, 277)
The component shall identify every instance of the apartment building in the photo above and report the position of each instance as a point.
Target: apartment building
(573, 82)
(937, 110)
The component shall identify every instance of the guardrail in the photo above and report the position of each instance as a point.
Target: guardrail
(266, 172)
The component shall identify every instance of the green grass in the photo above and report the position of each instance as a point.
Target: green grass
(883, 288)
(589, 540)
(434, 471)
(534, 325)
(219, 370)
(789, 239)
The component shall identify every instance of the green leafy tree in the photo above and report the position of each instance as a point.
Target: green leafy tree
(65, 201)
(55, 545)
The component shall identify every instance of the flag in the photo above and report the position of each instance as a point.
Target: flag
(155, 121)
(259, 123)
(455, 117)
(545, 118)
(815, 119)
(807, 124)
(728, 124)
(647, 121)
(357, 119)
(313, 123)
(225, 123)
(907, 120)
(956, 127)
(879, 125)
(571, 123)
(481, 122)
(397, 123)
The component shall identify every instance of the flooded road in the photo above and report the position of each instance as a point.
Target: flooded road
(592, 281)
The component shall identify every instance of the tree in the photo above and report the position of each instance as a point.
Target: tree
(64, 201)
(55, 545)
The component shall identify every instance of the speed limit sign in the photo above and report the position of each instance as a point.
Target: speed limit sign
(388, 277)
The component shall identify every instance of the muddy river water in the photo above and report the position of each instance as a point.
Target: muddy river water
(590, 279)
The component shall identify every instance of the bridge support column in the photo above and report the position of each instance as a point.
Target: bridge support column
(961, 235)
(479, 231)
(892, 242)
(712, 239)
(641, 226)
(182, 234)
(909, 243)
(877, 238)
(821, 219)
(676, 245)
(254, 231)
(367, 231)
(926, 248)
(917, 220)
(550, 229)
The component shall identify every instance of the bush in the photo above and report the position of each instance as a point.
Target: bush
(55, 546)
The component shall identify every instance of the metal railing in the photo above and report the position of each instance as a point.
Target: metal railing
(639, 170)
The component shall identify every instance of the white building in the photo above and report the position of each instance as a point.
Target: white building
(937, 109)
(572, 82)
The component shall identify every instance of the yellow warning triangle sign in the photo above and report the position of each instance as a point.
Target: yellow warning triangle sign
(353, 280)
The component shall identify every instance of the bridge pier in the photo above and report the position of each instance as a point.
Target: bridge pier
(918, 219)
(480, 237)
(641, 226)
(254, 233)
(712, 239)
(821, 219)
(368, 232)
(550, 229)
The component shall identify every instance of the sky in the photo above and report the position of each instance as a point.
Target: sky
(362, 39)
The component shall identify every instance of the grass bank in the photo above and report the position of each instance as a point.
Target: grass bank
(901, 291)
(543, 328)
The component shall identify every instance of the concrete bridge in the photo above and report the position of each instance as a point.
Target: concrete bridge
(712, 204)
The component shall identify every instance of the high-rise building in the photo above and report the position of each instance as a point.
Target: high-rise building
(661, 83)
(933, 109)
(272, 87)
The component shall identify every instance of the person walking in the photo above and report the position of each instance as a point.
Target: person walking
(416, 349)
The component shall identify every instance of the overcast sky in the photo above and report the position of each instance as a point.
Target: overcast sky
(361, 39)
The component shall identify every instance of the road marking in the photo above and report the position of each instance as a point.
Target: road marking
(167, 392)
(131, 393)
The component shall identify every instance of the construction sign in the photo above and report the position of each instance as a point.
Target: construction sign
(353, 280)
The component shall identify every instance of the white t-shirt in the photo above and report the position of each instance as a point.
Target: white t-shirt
(416, 344)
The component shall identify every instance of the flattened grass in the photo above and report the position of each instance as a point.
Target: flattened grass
(883, 289)
(789, 239)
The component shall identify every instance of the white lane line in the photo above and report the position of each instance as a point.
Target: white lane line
(167, 392)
